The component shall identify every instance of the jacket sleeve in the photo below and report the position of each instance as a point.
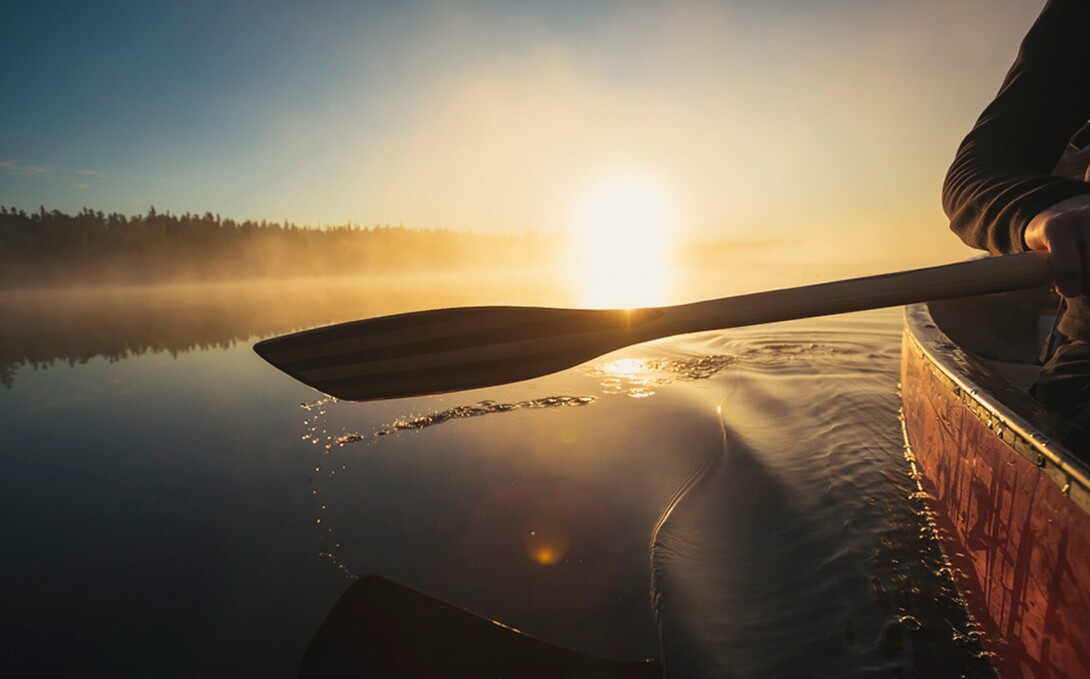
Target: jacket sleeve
(1000, 179)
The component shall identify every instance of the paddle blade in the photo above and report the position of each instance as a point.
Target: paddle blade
(431, 352)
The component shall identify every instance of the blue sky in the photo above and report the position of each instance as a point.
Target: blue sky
(787, 118)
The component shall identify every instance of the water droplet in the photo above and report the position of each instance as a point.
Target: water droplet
(910, 623)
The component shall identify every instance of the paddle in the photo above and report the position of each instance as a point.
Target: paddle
(431, 352)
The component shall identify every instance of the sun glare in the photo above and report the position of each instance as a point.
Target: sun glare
(621, 236)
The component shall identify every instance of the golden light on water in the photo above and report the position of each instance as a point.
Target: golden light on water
(621, 234)
(633, 377)
(624, 367)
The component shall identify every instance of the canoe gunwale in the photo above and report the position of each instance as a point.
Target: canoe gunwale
(952, 366)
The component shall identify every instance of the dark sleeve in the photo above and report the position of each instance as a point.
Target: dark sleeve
(999, 179)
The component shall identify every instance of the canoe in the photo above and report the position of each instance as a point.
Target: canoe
(379, 628)
(1005, 479)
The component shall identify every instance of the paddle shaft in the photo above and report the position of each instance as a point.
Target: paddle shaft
(445, 350)
(963, 279)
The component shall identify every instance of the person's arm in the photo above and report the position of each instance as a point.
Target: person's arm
(999, 193)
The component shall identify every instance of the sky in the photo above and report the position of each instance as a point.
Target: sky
(811, 123)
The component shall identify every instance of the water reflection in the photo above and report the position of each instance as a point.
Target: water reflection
(72, 326)
(641, 377)
(531, 503)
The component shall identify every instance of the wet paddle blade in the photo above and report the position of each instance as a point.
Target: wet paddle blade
(443, 350)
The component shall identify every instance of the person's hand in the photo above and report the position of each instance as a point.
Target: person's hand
(1064, 231)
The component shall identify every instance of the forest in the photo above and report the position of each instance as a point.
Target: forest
(49, 248)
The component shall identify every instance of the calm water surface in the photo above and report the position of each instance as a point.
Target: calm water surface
(738, 501)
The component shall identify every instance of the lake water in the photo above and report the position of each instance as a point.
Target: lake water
(738, 502)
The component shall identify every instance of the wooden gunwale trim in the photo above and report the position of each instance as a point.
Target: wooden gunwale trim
(1053, 458)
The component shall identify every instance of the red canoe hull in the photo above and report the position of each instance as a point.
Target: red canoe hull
(1012, 514)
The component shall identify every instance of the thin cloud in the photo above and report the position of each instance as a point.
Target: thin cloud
(92, 173)
(12, 167)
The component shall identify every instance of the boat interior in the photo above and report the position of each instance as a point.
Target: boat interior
(998, 343)
(1007, 332)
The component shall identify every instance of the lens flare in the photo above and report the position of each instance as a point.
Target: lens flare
(546, 541)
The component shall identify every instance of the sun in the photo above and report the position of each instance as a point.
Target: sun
(621, 235)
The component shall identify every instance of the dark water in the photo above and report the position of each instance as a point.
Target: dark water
(739, 500)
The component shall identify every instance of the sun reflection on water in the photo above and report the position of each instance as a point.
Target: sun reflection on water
(642, 377)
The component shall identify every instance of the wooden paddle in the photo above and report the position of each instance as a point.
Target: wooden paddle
(431, 352)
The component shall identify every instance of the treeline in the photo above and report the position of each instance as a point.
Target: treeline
(50, 248)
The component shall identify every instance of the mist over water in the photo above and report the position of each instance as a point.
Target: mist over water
(738, 500)
(76, 325)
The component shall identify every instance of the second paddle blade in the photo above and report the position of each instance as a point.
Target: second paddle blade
(431, 352)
